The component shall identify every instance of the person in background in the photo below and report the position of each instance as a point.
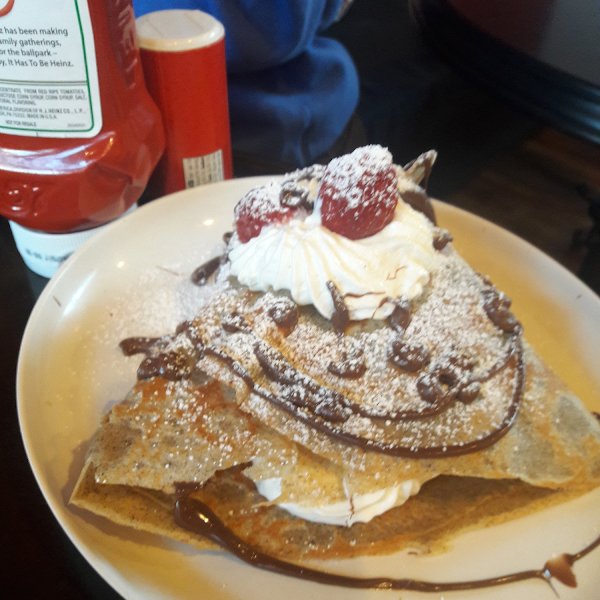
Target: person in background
(292, 91)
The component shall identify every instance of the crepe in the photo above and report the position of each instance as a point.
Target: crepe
(444, 396)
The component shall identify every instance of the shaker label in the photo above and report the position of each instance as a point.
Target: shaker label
(203, 169)
(48, 74)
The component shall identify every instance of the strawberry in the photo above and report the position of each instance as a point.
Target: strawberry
(359, 193)
(259, 207)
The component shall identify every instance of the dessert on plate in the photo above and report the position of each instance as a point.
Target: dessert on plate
(351, 386)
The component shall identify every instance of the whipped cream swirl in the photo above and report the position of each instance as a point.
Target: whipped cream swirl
(360, 508)
(302, 255)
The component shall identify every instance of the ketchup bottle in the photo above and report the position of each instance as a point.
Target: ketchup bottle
(79, 133)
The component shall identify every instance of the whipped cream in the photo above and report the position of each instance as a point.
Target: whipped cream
(359, 508)
(302, 255)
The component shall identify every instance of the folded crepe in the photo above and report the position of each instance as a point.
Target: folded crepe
(319, 419)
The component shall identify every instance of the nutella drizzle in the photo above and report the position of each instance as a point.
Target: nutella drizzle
(408, 356)
(400, 317)
(294, 195)
(340, 317)
(172, 366)
(205, 270)
(421, 202)
(497, 308)
(138, 345)
(449, 379)
(425, 162)
(284, 313)
(197, 517)
(334, 407)
(351, 366)
(234, 323)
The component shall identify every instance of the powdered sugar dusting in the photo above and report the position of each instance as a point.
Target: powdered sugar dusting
(344, 172)
(448, 319)
(265, 199)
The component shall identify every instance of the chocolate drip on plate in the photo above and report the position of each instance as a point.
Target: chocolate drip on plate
(138, 345)
(197, 517)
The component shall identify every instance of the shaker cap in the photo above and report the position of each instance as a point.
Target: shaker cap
(177, 30)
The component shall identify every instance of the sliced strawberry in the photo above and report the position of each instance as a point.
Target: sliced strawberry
(359, 193)
(259, 207)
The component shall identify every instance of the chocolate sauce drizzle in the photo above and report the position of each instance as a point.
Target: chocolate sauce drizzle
(197, 517)
(340, 317)
(352, 365)
(407, 356)
(138, 345)
(423, 162)
(205, 270)
(449, 379)
(497, 308)
(235, 322)
(322, 408)
(284, 313)
(172, 366)
(294, 195)
(421, 202)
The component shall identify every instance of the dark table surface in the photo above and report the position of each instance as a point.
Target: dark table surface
(542, 55)
(38, 559)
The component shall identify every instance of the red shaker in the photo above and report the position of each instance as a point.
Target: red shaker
(183, 58)
(79, 133)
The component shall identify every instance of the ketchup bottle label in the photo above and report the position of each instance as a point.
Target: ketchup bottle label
(48, 73)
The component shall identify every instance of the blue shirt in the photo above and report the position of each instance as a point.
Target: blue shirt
(291, 90)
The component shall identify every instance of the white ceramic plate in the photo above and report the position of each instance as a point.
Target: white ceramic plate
(130, 280)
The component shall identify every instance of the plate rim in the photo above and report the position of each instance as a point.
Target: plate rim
(186, 196)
